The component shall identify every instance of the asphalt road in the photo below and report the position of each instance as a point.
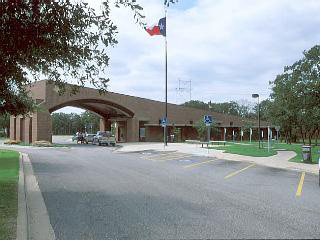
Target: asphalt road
(92, 193)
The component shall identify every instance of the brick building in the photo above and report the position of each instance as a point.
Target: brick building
(136, 119)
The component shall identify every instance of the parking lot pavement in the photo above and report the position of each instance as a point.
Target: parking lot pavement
(93, 193)
(291, 183)
(280, 160)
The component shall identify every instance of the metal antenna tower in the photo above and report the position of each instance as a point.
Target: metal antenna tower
(185, 86)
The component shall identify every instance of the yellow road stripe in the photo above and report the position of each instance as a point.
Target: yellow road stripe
(299, 190)
(239, 171)
(196, 164)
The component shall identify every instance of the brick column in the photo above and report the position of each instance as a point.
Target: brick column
(26, 138)
(18, 128)
(42, 126)
(133, 130)
(13, 128)
(22, 129)
(105, 125)
(116, 131)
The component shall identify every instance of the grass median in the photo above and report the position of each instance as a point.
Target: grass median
(247, 149)
(9, 174)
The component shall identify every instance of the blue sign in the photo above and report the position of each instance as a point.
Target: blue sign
(207, 119)
(164, 122)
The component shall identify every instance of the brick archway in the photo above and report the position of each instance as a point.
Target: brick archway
(38, 125)
(109, 112)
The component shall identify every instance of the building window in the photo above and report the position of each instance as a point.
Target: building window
(231, 123)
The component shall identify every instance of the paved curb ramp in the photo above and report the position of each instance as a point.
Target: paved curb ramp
(33, 221)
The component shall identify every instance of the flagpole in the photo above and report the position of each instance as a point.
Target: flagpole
(166, 114)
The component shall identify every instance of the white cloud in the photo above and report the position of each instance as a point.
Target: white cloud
(229, 48)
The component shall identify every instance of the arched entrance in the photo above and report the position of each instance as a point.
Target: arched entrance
(38, 125)
(108, 112)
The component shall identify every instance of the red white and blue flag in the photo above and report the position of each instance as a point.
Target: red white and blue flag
(158, 29)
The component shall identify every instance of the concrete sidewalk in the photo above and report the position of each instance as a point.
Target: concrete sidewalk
(281, 160)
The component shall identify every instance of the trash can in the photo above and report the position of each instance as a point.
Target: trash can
(306, 154)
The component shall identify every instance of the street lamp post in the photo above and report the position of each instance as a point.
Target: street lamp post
(257, 96)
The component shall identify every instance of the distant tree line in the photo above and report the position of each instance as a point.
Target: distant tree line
(70, 123)
(242, 108)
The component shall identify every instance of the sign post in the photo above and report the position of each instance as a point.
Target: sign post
(208, 121)
(164, 123)
(225, 131)
(250, 134)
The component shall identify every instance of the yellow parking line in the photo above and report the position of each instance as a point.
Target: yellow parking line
(239, 171)
(299, 190)
(196, 164)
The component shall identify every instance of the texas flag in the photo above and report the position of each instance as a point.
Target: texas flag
(159, 29)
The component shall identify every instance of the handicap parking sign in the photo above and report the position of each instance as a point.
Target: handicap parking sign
(207, 120)
(164, 122)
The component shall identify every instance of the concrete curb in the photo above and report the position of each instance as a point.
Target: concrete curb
(117, 148)
(33, 218)
(22, 219)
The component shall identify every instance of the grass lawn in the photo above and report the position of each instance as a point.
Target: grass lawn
(253, 150)
(9, 169)
(246, 150)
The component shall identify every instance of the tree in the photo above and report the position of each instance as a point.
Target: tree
(68, 124)
(295, 104)
(201, 129)
(196, 104)
(264, 109)
(4, 124)
(58, 40)
(91, 121)
(242, 109)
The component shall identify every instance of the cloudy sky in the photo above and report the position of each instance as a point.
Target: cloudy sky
(229, 49)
